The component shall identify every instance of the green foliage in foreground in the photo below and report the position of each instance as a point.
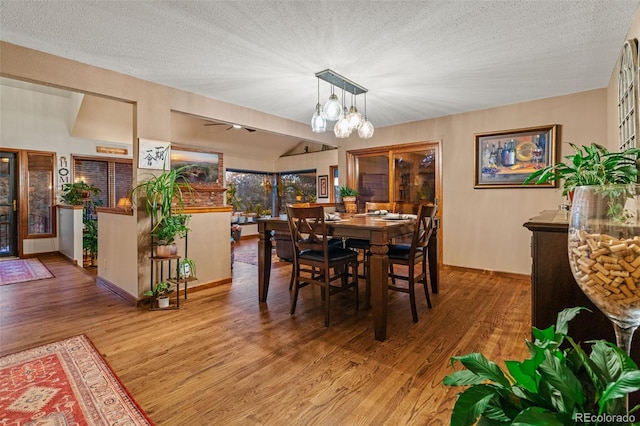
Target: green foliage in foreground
(553, 386)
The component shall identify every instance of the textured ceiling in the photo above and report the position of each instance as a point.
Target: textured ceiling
(419, 59)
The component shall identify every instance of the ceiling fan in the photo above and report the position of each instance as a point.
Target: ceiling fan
(233, 126)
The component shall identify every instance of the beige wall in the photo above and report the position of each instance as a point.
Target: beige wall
(117, 254)
(482, 228)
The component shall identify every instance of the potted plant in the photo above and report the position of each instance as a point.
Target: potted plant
(299, 194)
(349, 196)
(349, 193)
(590, 165)
(90, 239)
(161, 191)
(165, 233)
(554, 386)
(187, 268)
(160, 293)
(75, 194)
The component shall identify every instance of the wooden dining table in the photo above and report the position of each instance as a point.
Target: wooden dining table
(378, 231)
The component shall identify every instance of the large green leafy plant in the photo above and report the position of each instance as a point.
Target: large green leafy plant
(554, 386)
(590, 165)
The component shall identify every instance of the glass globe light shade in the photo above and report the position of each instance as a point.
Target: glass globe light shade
(354, 117)
(332, 109)
(366, 129)
(318, 123)
(341, 129)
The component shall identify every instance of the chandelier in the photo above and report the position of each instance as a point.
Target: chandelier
(346, 120)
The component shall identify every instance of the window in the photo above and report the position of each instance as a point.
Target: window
(628, 95)
(113, 176)
(39, 196)
(268, 191)
(253, 190)
(296, 187)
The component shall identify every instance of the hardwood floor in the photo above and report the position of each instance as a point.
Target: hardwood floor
(225, 359)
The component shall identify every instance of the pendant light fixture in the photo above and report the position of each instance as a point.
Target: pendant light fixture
(346, 120)
(332, 108)
(366, 128)
(342, 129)
(318, 122)
(354, 117)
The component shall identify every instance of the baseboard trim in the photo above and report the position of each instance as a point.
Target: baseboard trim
(510, 275)
(130, 299)
(207, 285)
(73, 261)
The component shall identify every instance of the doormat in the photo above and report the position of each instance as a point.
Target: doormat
(64, 383)
(21, 270)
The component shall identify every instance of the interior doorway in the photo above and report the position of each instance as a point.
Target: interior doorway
(8, 205)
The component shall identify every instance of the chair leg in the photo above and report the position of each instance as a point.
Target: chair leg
(367, 290)
(424, 281)
(327, 296)
(354, 270)
(295, 276)
(412, 293)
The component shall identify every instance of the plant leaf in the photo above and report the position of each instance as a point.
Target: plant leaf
(566, 315)
(463, 378)
(561, 378)
(536, 416)
(471, 404)
(629, 381)
(524, 374)
(483, 367)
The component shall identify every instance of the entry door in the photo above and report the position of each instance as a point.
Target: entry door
(8, 205)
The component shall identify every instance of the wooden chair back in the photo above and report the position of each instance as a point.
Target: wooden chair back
(424, 227)
(372, 207)
(307, 227)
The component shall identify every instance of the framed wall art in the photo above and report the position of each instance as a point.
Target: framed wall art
(153, 154)
(506, 158)
(204, 170)
(323, 186)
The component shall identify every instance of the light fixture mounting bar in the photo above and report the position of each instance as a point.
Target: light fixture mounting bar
(341, 82)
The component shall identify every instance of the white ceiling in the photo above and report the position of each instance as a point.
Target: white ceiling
(419, 59)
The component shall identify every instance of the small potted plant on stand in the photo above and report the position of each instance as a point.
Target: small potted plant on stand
(160, 294)
(349, 197)
(166, 232)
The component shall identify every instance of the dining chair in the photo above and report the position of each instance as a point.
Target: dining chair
(315, 261)
(411, 255)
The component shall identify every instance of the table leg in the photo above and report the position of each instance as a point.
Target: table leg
(432, 249)
(264, 264)
(379, 277)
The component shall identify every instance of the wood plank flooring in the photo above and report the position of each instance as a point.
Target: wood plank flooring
(225, 359)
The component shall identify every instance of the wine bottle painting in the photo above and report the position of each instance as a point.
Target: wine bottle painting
(507, 158)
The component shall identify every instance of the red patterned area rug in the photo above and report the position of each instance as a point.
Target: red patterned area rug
(64, 383)
(21, 270)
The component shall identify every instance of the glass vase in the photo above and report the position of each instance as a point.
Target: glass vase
(604, 253)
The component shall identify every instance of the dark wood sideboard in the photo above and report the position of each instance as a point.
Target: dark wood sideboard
(553, 287)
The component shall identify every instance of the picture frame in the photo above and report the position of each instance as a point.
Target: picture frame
(323, 186)
(504, 159)
(204, 167)
(153, 154)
